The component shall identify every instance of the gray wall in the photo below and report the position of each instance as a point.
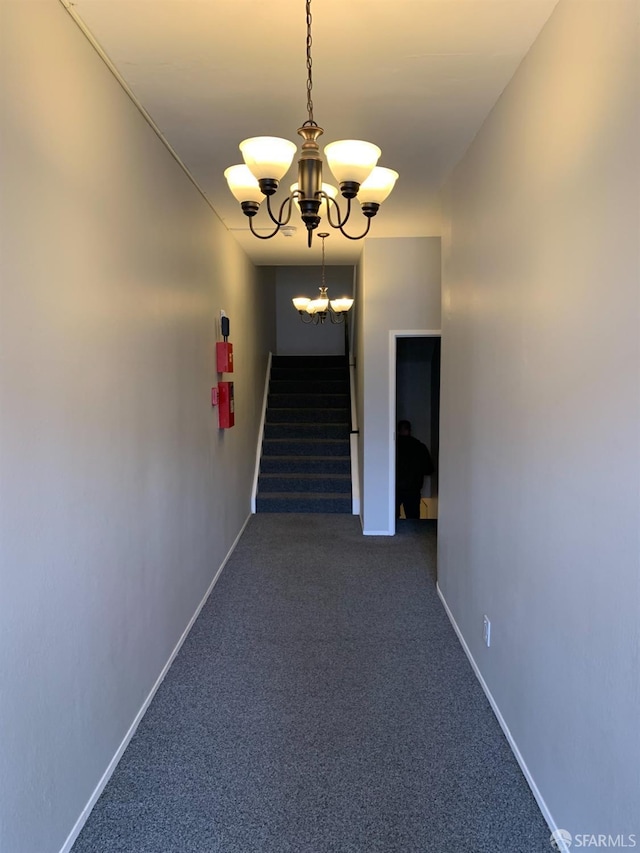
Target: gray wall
(398, 289)
(539, 453)
(295, 338)
(119, 495)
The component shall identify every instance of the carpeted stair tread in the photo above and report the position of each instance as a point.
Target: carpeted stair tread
(328, 465)
(282, 483)
(317, 476)
(306, 446)
(304, 495)
(303, 401)
(316, 458)
(302, 503)
(306, 430)
(345, 422)
(307, 415)
(300, 498)
(331, 373)
(309, 386)
(309, 360)
(292, 409)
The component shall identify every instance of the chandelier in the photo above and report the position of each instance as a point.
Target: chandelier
(315, 310)
(352, 162)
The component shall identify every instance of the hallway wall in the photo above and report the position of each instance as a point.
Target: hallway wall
(399, 289)
(539, 454)
(119, 495)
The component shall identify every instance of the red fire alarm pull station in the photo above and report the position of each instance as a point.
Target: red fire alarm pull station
(226, 414)
(224, 357)
(223, 395)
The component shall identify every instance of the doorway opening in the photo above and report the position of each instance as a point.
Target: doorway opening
(415, 397)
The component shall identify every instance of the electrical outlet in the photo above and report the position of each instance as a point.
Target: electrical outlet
(486, 631)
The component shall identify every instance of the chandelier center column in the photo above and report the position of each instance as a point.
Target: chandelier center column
(310, 177)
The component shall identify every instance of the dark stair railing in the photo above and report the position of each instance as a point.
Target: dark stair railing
(305, 464)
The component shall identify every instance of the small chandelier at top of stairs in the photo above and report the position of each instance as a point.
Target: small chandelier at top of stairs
(315, 310)
(353, 163)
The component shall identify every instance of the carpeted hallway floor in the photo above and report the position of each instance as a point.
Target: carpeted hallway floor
(321, 704)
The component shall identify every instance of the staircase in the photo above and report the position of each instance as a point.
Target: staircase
(305, 464)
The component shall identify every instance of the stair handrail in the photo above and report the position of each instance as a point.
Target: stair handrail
(354, 437)
(352, 395)
(263, 417)
(353, 441)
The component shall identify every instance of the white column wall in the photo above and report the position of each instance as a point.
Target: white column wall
(540, 452)
(358, 351)
(119, 495)
(399, 289)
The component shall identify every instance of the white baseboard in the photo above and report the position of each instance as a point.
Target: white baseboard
(93, 799)
(376, 533)
(503, 724)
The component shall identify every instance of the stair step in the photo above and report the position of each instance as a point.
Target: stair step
(310, 386)
(311, 401)
(303, 502)
(315, 483)
(306, 430)
(307, 415)
(305, 465)
(309, 361)
(330, 373)
(305, 447)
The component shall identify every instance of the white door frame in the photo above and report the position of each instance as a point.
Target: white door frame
(394, 334)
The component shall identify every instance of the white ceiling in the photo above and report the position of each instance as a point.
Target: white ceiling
(417, 77)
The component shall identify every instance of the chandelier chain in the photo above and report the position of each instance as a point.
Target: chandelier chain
(322, 273)
(310, 122)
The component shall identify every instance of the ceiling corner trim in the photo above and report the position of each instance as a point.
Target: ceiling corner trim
(68, 5)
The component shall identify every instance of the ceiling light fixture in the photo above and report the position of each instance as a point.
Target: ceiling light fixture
(315, 310)
(352, 162)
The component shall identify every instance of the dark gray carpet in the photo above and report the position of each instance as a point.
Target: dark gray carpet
(321, 704)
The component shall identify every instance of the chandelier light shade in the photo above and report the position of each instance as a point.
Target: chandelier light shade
(377, 186)
(317, 310)
(352, 162)
(268, 156)
(338, 306)
(243, 184)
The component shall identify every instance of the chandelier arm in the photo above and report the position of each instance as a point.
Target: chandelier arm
(336, 319)
(306, 322)
(331, 201)
(263, 236)
(360, 236)
(279, 221)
